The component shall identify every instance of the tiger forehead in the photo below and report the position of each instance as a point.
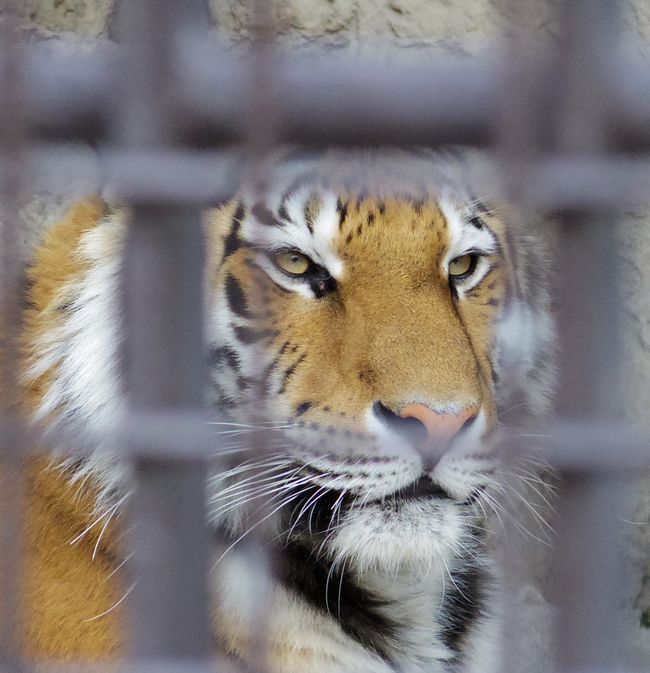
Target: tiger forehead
(396, 227)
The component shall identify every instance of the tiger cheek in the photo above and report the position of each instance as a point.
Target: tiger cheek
(480, 314)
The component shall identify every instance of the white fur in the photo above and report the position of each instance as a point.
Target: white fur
(318, 246)
(84, 353)
(464, 238)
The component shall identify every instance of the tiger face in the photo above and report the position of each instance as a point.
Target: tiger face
(361, 332)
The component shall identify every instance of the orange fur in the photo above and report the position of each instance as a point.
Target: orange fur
(65, 587)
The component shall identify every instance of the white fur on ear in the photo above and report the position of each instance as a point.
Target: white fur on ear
(524, 340)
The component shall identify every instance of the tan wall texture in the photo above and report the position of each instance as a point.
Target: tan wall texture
(464, 22)
(460, 26)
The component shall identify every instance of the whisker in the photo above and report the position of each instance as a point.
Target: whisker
(257, 478)
(103, 614)
(259, 523)
(103, 530)
(125, 560)
(96, 521)
(254, 495)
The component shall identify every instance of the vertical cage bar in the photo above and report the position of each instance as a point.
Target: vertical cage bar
(13, 137)
(262, 125)
(163, 302)
(163, 295)
(587, 555)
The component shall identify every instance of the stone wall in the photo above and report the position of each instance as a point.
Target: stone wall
(466, 23)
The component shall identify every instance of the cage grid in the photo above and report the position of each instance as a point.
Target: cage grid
(169, 98)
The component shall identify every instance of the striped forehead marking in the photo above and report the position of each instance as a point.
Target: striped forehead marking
(306, 218)
(466, 231)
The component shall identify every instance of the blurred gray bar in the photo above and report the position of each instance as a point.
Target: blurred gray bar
(590, 446)
(172, 176)
(185, 176)
(587, 568)
(162, 285)
(329, 99)
(13, 138)
(163, 280)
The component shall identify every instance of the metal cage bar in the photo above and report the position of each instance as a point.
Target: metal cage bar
(162, 288)
(70, 100)
(590, 503)
(13, 139)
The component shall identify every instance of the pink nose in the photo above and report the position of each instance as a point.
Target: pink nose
(441, 428)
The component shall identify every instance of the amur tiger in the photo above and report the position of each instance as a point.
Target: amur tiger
(370, 298)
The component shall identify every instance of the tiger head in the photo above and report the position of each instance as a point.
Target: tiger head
(358, 315)
(362, 320)
(356, 335)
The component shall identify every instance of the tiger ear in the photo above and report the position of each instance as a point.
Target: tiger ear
(525, 343)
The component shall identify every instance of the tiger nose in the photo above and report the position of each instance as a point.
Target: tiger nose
(441, 429)
(430, 432)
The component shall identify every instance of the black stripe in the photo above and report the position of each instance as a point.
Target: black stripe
(67, 307)
(248, 335)
(27, 292)
(236, 297)
(462, 605)
(245, 383)
(309, 215)
(302, 408)
(342, 209)
(481, 206)
(494, 376)
(233, 242)
(334, 592)
(289, 372)
(221, 354)
(264, 216)
(301, 180)
(269, 371)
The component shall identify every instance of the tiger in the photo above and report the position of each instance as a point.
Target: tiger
(362, 312)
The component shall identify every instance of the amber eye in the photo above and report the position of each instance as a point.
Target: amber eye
(292, 262)
(462, 266)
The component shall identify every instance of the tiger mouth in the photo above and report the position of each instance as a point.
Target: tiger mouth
(423, 488)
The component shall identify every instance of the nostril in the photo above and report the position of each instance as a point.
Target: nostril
(412, 429)
(466, 425)
(442, 427)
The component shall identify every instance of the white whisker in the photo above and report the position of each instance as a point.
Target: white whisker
(103, 614)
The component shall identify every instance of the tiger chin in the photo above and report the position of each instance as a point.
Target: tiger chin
(356, 321)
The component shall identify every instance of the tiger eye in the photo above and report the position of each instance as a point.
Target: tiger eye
(292, 262)
(461, 265)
